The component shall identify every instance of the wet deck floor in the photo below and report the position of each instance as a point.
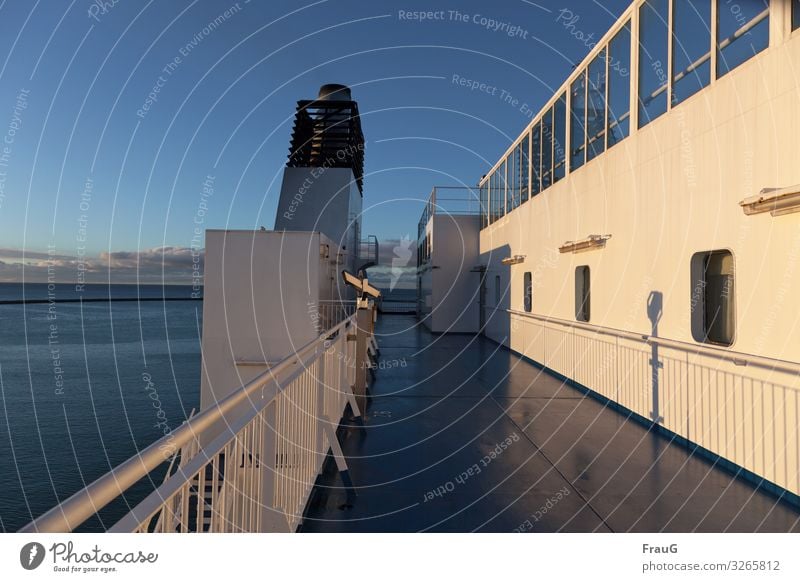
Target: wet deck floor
(431, 456)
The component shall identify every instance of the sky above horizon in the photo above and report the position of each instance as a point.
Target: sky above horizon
(115, 115)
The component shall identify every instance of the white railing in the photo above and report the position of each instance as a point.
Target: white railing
(742, 407)
(248, 470)
(330, 313)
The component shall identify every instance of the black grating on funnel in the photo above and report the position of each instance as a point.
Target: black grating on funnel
(327, 134)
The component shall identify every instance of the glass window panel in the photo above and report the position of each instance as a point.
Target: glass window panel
(499, 196)
(490, 182)
(536, 158)
(493, 196)
(653, 41)
(547, 149)
(502, 186)
(512, 182)
(795, 14)
(487, 203)
(596, 107)
(742, 31)
(560, 138)
(484, 193)
(524, 167)
(619, 86)
(577, 122)
(691, 47)
(518, 174)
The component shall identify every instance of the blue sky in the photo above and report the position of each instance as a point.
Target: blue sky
(75, 80)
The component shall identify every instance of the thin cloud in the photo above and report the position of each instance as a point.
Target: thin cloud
(30, 255)
(170, 264)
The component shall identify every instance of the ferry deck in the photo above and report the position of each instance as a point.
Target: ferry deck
(627, 356)
(579, 465)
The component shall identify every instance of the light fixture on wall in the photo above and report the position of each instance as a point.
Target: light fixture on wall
(515, 260)
(593, 241)
(776, 201)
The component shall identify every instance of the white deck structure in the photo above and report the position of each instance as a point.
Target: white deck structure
(655, 277)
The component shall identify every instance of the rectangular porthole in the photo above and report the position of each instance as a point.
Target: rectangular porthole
(582, 293)
(528, 292)
(712, 301)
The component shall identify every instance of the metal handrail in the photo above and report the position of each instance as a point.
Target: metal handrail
(738, 358)
(369, 248)
(433, 205)
(152, 502)
(72, 512)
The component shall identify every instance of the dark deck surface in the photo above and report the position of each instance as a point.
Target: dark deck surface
(442, 404)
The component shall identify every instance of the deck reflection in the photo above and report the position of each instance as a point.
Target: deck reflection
(463, 435)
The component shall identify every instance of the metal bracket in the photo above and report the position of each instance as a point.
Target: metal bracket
(341, 463)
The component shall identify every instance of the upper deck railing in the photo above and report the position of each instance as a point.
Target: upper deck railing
(450, 200)
(369, 250)
(454, 200)
(658, 54)
(247, 464)
(695, 391)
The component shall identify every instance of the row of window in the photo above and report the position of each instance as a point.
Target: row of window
(598, 111)
(712, 306)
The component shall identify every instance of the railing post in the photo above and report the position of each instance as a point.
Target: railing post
(320, 414)
(364, 315)
(273, 518)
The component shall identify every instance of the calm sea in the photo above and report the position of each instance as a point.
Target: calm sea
(76, 383)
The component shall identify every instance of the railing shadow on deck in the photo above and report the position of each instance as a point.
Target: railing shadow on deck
(740, 409)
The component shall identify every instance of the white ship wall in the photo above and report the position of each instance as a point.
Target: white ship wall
(669, 190)
(450, 289)
(260, 304)
(325, 200)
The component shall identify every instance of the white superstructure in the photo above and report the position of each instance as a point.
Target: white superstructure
(653, 275)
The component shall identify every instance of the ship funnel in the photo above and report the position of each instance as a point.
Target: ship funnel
(322, 189)
(327, 133)
(334, 92)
